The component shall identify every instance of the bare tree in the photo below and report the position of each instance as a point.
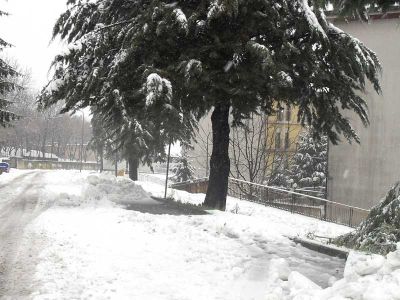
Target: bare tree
(41, 131)
(262, 148)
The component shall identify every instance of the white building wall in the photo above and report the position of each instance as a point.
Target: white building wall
(360, 175)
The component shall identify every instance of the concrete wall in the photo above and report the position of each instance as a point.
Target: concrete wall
(360, 175)
(21, 163)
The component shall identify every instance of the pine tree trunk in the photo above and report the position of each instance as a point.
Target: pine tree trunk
(219, 162)
(133, 168)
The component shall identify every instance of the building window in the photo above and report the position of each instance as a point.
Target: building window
(280, 115)
(287, 141)
(288, 113)
(277, 140)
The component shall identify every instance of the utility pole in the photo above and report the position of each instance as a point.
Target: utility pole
(327, 171)
(116, 163)
(83, 131)
(166, 177)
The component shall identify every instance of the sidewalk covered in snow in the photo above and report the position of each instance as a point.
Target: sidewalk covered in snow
(103, 237)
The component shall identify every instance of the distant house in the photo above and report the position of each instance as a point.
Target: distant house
(360, 175)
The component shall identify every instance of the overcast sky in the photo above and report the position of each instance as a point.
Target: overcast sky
(29, 29)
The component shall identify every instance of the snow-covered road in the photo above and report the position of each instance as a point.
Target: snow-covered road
(71, 235)
(19, 205)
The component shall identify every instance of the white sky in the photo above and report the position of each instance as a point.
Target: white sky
(29, 28)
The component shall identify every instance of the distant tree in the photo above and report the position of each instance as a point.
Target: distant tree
(183, 170)
(106, 69)
(6, 85)
(361, 8)
(309, 164)
(255, 156)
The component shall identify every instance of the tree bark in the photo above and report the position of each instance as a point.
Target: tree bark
(219, 162)
(133, 168)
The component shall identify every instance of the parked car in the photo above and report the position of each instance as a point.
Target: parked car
(4, 167)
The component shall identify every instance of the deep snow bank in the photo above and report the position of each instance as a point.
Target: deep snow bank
(98, 190)
(366, 277)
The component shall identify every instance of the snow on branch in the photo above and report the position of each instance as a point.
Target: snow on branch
(194, 67)
(181, 19)
(156, 87)
(261, 52)
(223, 7)
(311, 17)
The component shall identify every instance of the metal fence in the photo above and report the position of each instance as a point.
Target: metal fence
(153, 178)
(297, 203)
(194, 186)
(291, 201)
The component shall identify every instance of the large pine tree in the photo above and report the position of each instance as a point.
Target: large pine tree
(6, 85)
(165, 59)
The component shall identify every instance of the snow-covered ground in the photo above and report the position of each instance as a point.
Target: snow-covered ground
(91, 247)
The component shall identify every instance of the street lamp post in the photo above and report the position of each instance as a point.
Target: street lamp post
(83, 131)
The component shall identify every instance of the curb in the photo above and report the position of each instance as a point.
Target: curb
(322, 248)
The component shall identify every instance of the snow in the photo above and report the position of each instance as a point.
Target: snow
(105, 238)
(193, 66)
(365, 277)
(181, 19)
(311, 17)
(154, 87)
(290, 225)
(27, 153)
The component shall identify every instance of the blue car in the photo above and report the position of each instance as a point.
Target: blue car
(4, 167)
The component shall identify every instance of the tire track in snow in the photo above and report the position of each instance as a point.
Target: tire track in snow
(16, 258)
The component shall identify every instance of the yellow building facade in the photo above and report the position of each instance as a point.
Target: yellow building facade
(282, 135)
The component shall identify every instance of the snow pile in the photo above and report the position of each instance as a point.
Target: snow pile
(115, 189)
(367, 277)
(380, 232)
(91, 189)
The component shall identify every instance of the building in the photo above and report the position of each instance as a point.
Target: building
(360, 175)
(268, 146)
(282, 132)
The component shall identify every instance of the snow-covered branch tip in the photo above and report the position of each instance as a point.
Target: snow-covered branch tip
(156, 87)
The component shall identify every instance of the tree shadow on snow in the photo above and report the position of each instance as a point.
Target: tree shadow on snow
(166, 207)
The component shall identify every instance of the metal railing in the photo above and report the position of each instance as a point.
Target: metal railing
(194, 186)
(297, 203)
(291, 201)
(153, 178)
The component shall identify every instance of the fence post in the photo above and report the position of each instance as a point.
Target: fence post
(293, 201)
(351, 217)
